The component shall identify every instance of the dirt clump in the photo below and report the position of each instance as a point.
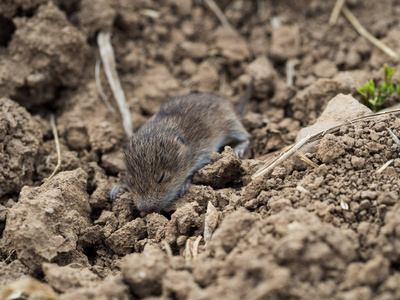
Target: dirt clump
(66, 278)
(113, 287)
(95, 16)
(124, 239)
(225, 167)
(284, 43)
(144, 277)
(330, 148)
(12, 272)
(45, 52)
(20, 138)
(8, 9)
(48, 220)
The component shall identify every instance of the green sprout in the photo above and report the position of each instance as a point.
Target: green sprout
(387, 85)
(375, 97)
(398, 86)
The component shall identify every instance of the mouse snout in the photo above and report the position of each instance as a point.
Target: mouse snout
(148, 208)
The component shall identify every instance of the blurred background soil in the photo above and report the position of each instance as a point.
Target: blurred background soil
(303, 232)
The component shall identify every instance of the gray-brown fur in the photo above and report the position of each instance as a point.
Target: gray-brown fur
(164, 153)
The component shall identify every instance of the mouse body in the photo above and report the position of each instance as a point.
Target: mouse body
(162, 156)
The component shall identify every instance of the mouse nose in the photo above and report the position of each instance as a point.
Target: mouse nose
(147, 208)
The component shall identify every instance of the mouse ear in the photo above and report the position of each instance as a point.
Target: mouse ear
(180, 140)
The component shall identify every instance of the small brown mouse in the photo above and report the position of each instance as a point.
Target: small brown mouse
(162, 156)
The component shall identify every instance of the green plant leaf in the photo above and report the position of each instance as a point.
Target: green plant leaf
(388, 73)
(375, 96)
(362, 92)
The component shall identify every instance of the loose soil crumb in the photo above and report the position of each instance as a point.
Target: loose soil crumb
(301, 232)
(47, 220)
(45, 52)
(20, 138)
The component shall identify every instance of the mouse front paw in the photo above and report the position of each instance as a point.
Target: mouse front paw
(117, 189)
(184, 188)
(241, 147)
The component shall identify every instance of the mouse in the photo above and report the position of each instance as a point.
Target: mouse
(162, 156)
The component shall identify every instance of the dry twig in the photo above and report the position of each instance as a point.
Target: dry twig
(168, 249)
(344, 205)
(108, 59)
(302, 189)
(381, 169)
(267, 168)
(218, 12)
(151, 13)
(100, 88)
(210, 222)
(187, 253)
(335, 12)
(363, 32)
(196, 247)
(306, 159)
(191, 249)
(394, 137)
(55, 134)
(290, 71)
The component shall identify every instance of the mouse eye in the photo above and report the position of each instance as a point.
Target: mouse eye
(160, 178)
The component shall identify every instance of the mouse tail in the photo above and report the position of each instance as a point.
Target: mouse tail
(244, 101)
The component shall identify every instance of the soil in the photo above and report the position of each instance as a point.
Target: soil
(329, 231)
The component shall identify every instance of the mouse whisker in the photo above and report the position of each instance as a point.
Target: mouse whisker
(127, 200)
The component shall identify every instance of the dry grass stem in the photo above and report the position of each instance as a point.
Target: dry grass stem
(168, 249)
(290, 71)
(363, 32)
(210, 222)
(196, 247)
(151, 13)
(344, 205)
(306, 159)
(271, 156)
(302, 189)
(335, 12)
(108, 59)
(100, 88)
(218, 12)
(268, 167)
(394, 137)
(27, 286)
(55, 134)
(10, 256)
(381, 169)
(187, 253)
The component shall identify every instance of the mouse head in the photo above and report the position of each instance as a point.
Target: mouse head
(157, 166)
